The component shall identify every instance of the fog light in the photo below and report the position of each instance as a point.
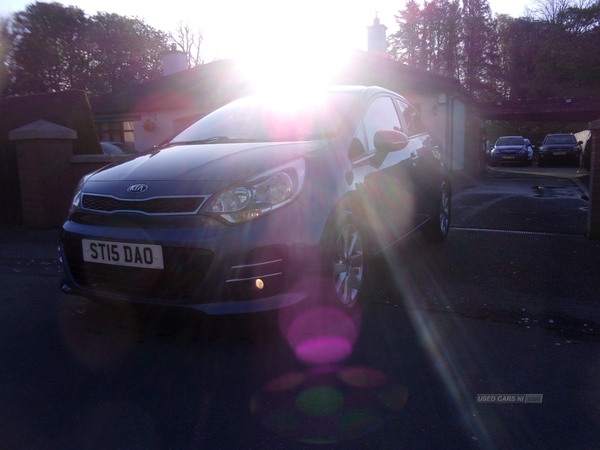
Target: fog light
(259, 284)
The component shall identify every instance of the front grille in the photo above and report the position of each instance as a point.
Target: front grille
(183, 272)
(156, 205)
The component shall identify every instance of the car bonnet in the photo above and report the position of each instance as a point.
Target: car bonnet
(195, 169)
(209, 162)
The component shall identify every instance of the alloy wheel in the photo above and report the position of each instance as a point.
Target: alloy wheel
(348, 264)
(444, 211)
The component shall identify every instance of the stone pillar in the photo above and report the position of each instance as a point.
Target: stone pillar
(44, 150)
(593, 225)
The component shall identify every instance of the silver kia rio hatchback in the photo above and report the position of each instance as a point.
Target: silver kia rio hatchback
(244, 209)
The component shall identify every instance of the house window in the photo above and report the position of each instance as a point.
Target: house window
(116, 132)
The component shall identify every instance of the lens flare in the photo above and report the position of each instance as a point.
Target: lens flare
(322, 335)
(320, 401)
(324, 350)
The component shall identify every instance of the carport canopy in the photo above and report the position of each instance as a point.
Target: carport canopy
(585, 109)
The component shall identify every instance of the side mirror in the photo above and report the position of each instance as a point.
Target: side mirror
(390, 141)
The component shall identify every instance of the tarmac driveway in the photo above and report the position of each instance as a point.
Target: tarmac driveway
(517, 253)
(509, 304)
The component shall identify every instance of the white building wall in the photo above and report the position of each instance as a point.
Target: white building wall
(446, 119)
(458, 139)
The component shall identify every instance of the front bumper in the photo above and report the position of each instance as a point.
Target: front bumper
(208, 266)
(499, 158)
(560, 156)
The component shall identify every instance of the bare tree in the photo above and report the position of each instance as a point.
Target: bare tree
(188, 38)
(550, 10)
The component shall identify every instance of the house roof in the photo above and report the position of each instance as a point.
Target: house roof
(371, 69)
(208, 86)
(205, 86)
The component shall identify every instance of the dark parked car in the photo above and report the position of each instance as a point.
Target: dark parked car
(562, 148)
(239, 210)
(512, 149)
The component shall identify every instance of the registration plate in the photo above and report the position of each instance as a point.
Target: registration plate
(508, 157)
(560, 153)
(148, 256)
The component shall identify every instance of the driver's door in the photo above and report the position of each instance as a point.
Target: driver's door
(387, 193)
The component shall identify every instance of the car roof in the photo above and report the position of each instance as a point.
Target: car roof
(359, 89)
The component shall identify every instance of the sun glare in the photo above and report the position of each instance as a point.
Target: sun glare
(280, 70)
(299, 51)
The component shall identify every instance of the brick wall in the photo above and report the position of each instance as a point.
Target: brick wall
(48, 172)
(45, 190)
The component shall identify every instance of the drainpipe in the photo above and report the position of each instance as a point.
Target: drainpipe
(593, 224)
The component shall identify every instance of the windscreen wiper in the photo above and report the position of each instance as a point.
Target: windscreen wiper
(214, 140)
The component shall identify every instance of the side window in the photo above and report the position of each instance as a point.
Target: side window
(381, 115)
(414, 123)
(358, 146)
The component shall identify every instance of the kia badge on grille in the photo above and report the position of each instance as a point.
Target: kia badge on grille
(137, 188)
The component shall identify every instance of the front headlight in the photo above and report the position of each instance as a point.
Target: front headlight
(543, 149)
(77, 195)
(258, 195)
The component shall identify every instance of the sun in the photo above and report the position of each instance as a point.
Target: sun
(299, 49)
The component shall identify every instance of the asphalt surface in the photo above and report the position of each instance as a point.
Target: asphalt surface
(538, 218)
(508, 304)
(539, 252)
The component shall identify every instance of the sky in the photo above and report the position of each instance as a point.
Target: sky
(240, 28)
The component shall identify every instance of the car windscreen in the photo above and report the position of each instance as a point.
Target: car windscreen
(504, 141)
(567, 139)
(258, 119)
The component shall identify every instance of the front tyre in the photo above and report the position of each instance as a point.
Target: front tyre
(438, 227)
(348, 260)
